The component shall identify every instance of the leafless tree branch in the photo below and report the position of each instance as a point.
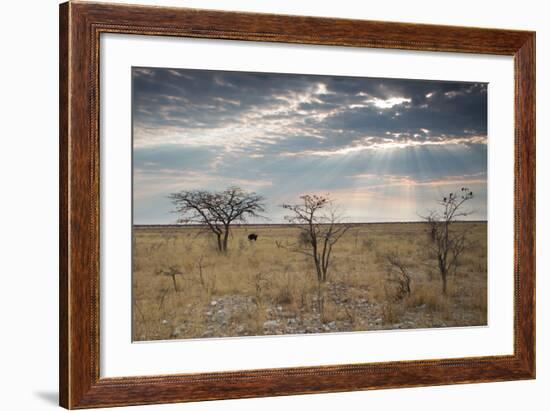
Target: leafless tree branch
(321, 227)
(447, 242)
(216, 211)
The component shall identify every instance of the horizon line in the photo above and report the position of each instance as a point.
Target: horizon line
(287, 224)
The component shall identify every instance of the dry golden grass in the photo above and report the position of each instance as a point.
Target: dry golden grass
(261, 288)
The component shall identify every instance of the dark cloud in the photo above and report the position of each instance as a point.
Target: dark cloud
(200, 99)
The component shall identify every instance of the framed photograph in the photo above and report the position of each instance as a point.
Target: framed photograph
(258, 205)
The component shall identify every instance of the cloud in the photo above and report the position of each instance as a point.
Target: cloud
(183, 105)
(286, 134)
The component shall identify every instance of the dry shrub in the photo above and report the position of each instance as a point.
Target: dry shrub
(427, 294)
(303, 238)
(284, 295)
(330, 312)
(392, 312)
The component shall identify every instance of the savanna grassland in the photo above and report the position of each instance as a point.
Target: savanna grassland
(183, 287)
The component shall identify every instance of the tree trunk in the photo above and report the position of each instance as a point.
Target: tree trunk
(325, 262)
(324, 270)
(220, 245)
(225, 238)
(320, 301)
(443, 271)
(316, 257)
(318, 268)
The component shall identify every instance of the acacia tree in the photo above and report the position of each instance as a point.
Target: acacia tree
(216, 211)
(448, 243)
(321, 228)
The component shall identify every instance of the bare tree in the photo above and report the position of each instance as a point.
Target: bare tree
(398, 273)
(321, 227)
(216, 211)
(447, 242)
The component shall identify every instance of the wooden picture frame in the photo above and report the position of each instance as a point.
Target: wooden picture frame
(80, 27)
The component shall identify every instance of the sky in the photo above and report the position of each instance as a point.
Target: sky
(382, 149)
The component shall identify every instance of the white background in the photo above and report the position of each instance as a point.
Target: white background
(119, 357)
(28, 161)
